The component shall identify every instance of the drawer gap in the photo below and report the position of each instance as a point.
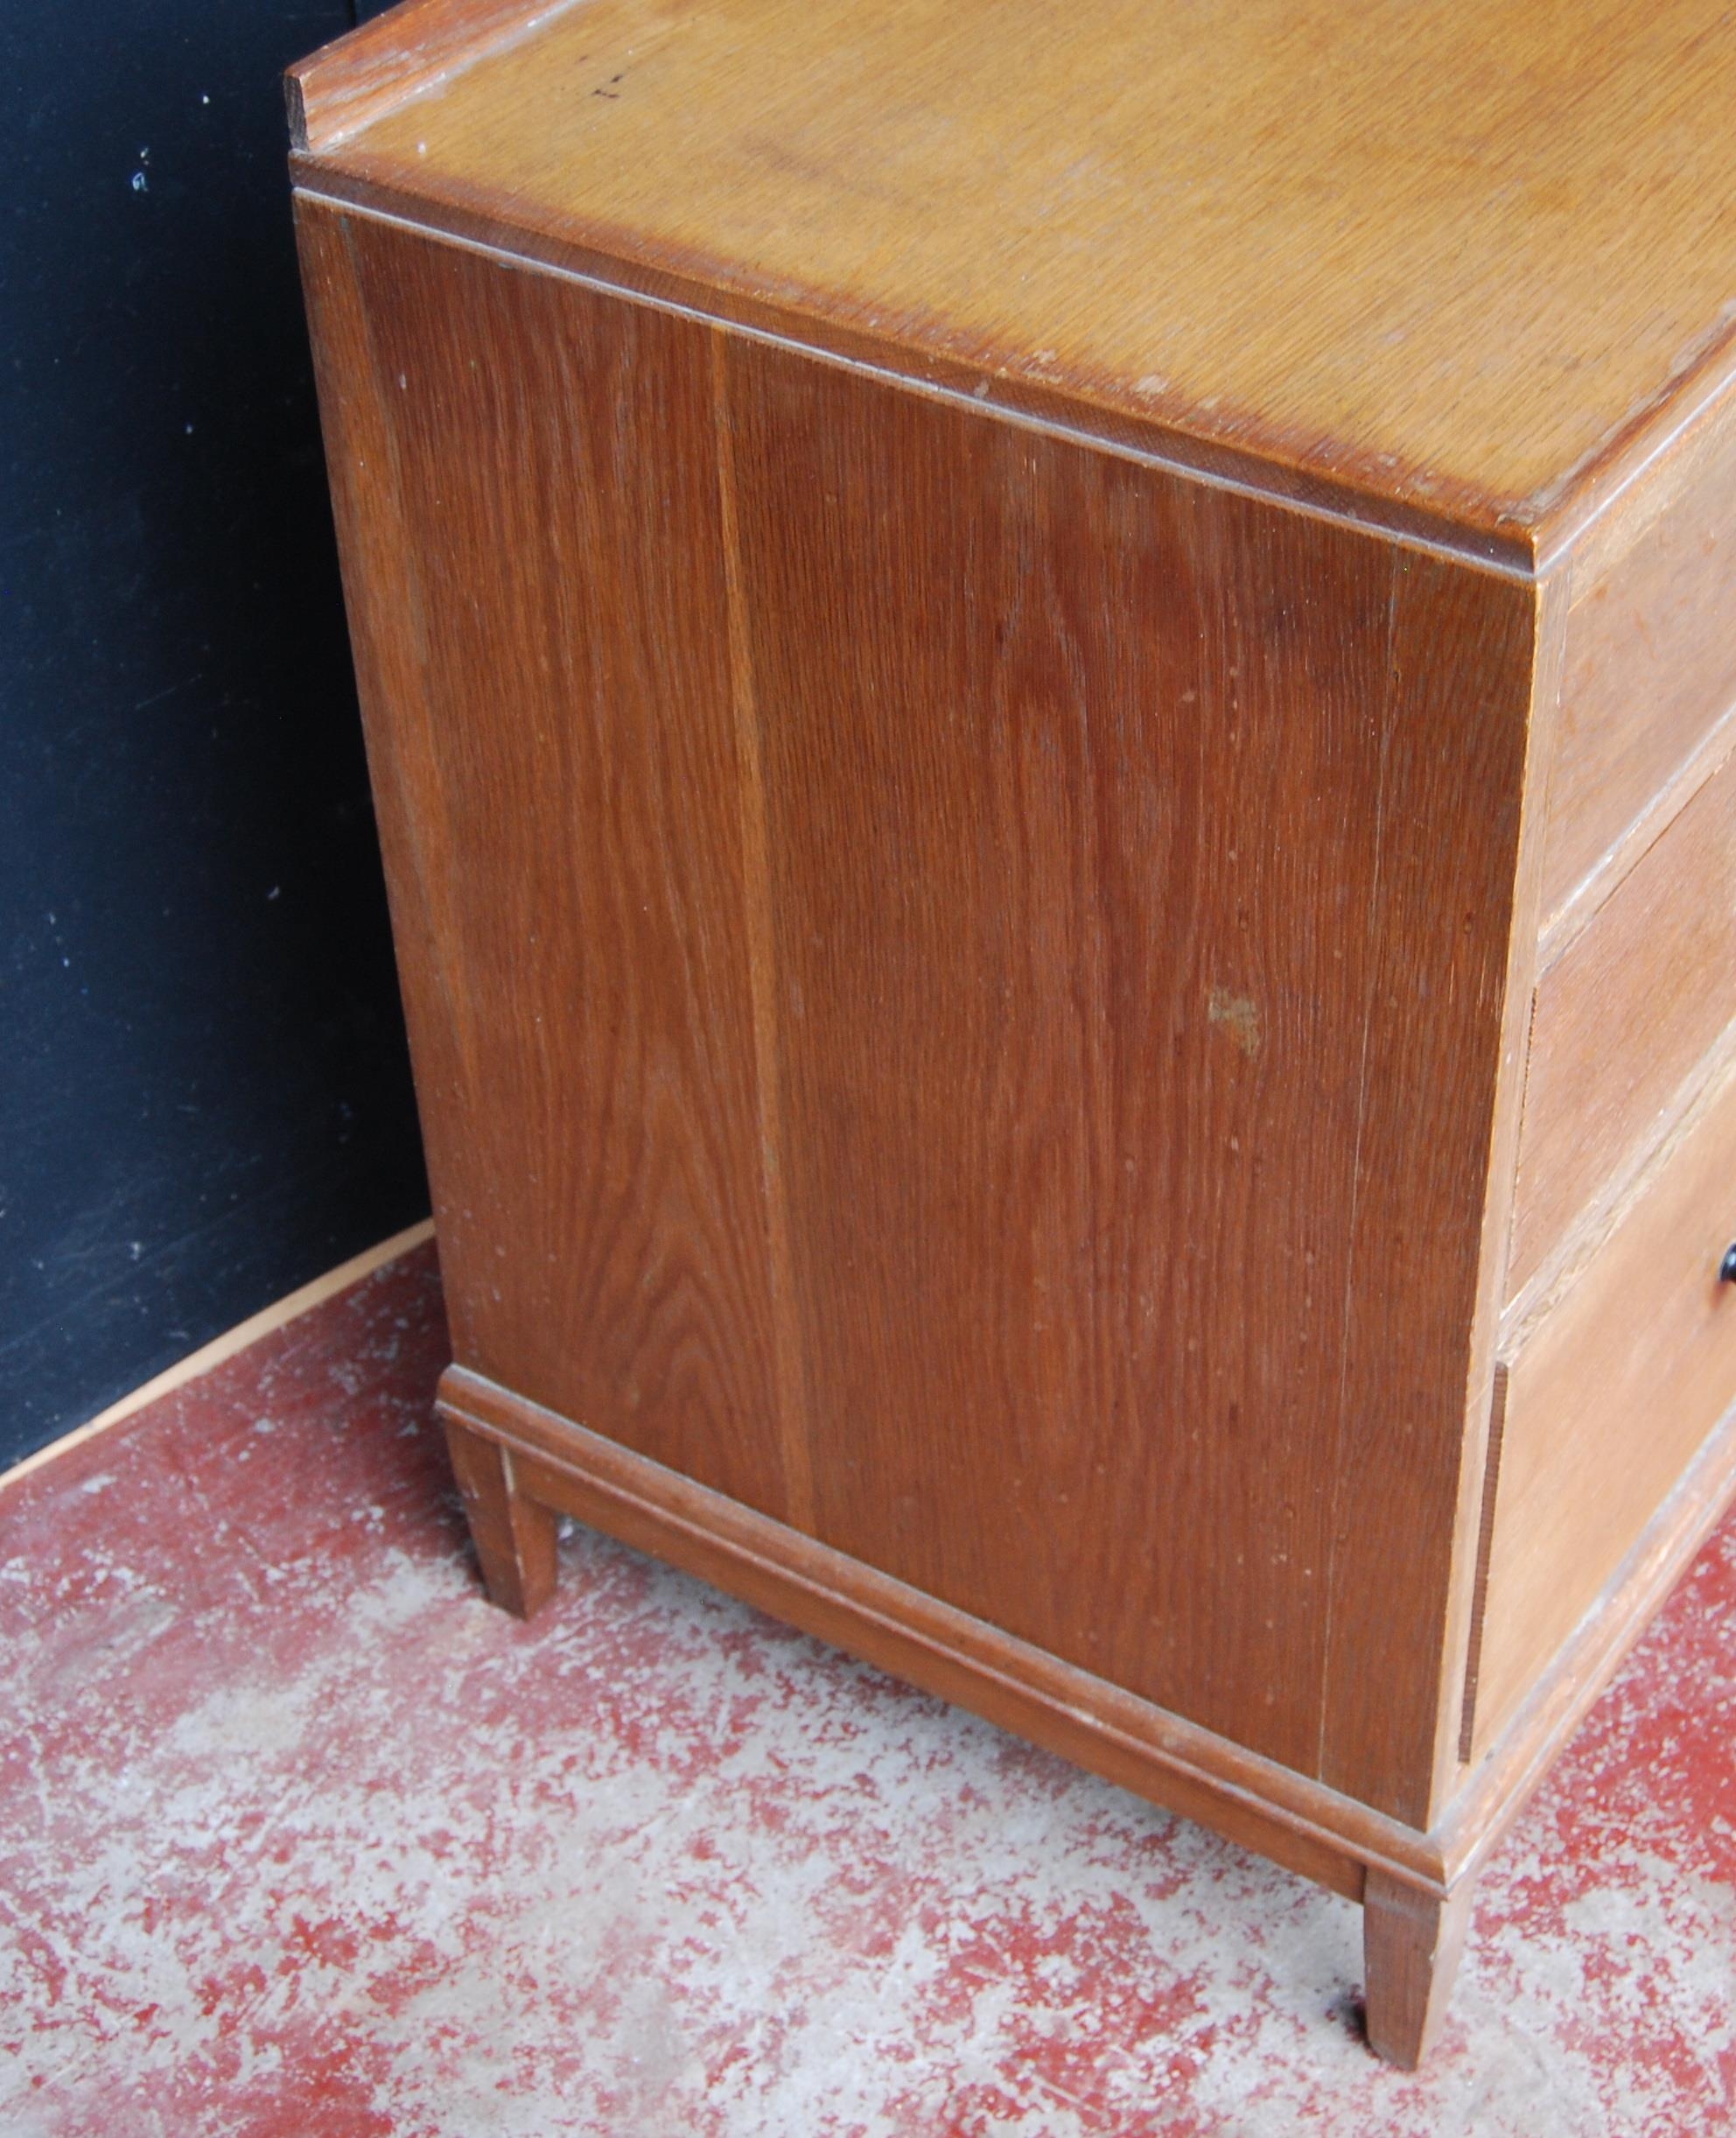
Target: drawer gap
(1585, 900)
(1479, 1591)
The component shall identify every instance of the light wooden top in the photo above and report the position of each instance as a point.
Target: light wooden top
(1465, 258)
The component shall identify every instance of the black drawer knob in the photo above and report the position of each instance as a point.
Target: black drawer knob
(1727, 1269)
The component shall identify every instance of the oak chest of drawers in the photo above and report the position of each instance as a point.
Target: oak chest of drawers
(1049, 693)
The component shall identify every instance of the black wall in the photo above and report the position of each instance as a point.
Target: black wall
(204, 1097)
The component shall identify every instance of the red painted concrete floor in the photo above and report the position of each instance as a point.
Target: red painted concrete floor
(298, 1836)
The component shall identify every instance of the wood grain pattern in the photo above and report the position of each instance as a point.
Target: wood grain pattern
(1651, 670)
(1400, 252)
(1607, 1403)
(906, 921)
(1473, 675)
(967, 707)
(1010, 672)
(527, 493)
(1076, 922)
(1623, 1020)
(972, 852)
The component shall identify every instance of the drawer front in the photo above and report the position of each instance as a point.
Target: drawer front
(1608, 1402)
(1623, 1017)
(1650, 669)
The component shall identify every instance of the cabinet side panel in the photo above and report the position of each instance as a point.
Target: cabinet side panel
(1140, 976)
(1436, 1138)
(526, 488)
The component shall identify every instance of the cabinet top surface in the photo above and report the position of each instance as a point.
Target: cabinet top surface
(1463, 258)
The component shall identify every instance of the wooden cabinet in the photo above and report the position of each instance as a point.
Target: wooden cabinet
(1048, 694)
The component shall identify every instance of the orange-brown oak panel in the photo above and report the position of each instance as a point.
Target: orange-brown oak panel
(1139, 995)
(527, 490)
